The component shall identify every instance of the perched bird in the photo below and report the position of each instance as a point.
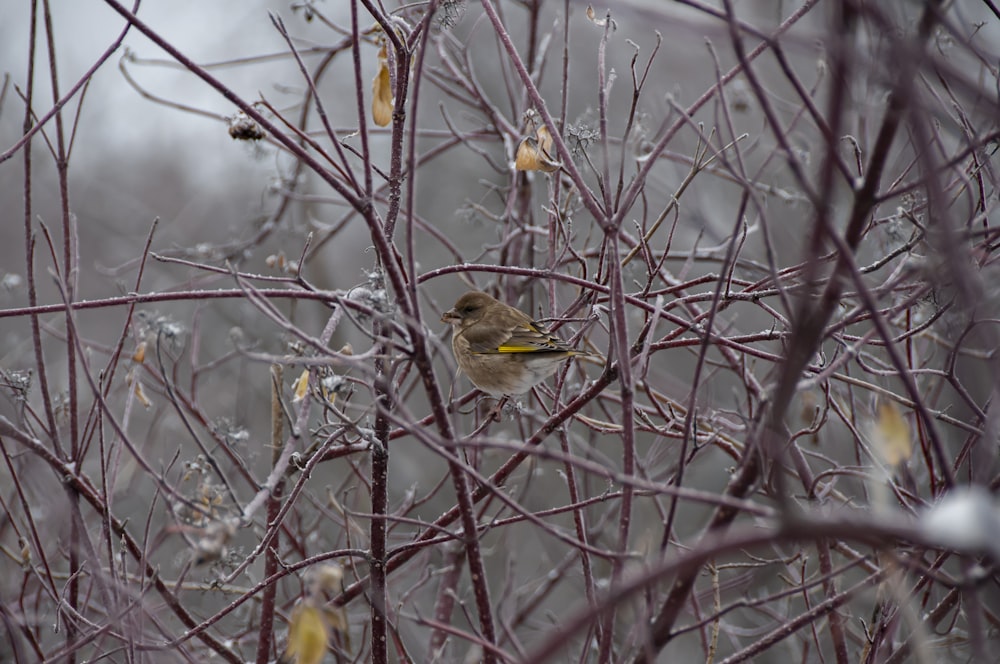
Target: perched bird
(501, 349)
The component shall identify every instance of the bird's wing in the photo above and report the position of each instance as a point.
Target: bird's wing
(486, 338)
(521, 337)
(531, 337)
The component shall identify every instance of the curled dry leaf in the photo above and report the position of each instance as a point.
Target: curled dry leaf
(307, 636)
(301, 388)
(535, 153)
(309, 629)
(140, 394)
(601, 22)
(891, 434)
(382, 91)
(326, 580)
(276, 261)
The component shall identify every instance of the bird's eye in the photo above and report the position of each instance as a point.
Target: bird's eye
(468, 309)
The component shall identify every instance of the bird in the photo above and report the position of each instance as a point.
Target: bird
(501, 349)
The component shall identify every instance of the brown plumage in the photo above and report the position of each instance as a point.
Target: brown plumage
(501, 349)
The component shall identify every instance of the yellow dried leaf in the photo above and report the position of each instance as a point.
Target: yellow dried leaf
(277, 260)
(544, 140)
(330, 397)
(140, 394)
(526, 158)
(307, 636)
(535, 154)
(140, 353)
(382, 92)
(891, 434)
(601, 22)
(301, 387)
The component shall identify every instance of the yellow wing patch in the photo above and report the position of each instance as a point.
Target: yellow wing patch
(507, 348)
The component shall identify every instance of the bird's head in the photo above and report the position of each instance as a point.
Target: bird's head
(469, 309)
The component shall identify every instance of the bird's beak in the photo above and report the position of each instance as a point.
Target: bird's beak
(450, 316)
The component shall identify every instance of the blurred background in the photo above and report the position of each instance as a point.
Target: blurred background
(151, 144)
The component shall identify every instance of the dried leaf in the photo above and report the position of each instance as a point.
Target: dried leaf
(382, 91)
(307, 636)
(526, 158)
(544, 140)
(601, 22)
(535, 154)
(891, 434)
(301, 388)
(329, 578)
(277, 260)
(140, 394)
